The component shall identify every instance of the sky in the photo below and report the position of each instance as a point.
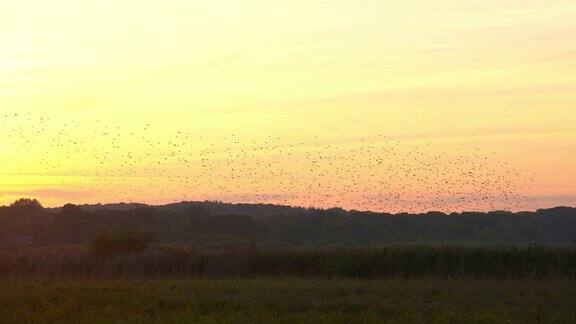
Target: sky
(341, 79)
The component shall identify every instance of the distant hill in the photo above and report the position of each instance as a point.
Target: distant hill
(213, 207)
(209, 224)
(118, 206)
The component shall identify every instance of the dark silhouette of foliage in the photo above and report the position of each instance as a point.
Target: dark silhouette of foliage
(200, 223)
(127, 242)
(27, 204)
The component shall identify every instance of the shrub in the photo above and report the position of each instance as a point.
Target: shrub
(121, 243)
(27, 204)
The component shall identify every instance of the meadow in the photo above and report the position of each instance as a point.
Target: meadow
(388, 284)
(286, 300)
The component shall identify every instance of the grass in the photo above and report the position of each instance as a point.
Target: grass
(394, 284)
(83, 300)
(420, 261)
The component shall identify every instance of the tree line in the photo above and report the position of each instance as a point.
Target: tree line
(26, 222)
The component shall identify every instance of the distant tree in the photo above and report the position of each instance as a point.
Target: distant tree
(70, 208)
(197, 210)
(121, 243)
(25, 203)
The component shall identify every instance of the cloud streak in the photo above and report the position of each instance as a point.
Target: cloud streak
(46, 193)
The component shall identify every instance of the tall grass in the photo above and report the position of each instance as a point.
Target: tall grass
(385, 262)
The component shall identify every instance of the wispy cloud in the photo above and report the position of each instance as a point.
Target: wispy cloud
(46, 193)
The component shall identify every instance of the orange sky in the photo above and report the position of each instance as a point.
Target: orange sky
(445, 78)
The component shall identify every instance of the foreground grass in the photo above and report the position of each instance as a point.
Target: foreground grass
(286, 301)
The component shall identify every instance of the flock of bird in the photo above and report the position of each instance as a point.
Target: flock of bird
(104, 162)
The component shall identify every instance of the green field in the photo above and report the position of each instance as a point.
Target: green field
(393, 284)
(286, 300)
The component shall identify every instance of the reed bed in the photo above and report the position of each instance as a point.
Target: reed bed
(421, 261)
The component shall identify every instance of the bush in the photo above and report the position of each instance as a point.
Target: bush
(121, 243)
(27, 204)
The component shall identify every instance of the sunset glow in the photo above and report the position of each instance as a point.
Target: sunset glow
(401, 106)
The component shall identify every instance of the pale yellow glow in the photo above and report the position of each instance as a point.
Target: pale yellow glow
(498, 75)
